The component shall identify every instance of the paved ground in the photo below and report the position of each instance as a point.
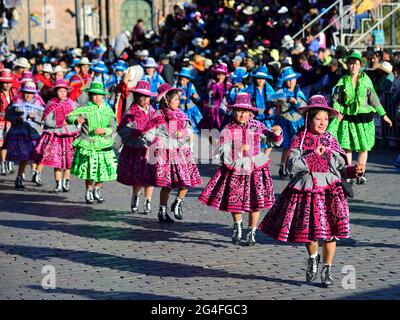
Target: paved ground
(105, 252)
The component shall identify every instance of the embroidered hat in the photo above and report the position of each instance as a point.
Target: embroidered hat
(61, 83)
(143, 87)
(164, 89)
(317, 102)
(221, 68)
(243, 101)
(27, 76)
(29, 87)
(5, 76)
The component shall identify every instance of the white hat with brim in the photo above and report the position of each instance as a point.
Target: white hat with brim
(84, 61)
(385, 66)
(22, 63)
(150, 63)
(47, 68)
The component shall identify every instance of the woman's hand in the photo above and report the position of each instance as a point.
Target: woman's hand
(277, 130)
(360, 168)
(340, 117)
(387, 120)
(320, 150)
(81, 120)
(99, 131)
(127, 76)
(293, 100)
(31, 115)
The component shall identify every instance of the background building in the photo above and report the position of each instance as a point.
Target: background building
(54, 21)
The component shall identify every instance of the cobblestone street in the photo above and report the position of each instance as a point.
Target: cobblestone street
(103, 251)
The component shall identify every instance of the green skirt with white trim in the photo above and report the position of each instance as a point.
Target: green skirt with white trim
(353, 135)
(96, 165)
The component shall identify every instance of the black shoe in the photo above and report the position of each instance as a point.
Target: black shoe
(135, 204)
(3, 169)
(312, 268)
(352, 182)
(97, 195)
(251, 238)
(58, 187)
(34, 172)
(163, 216)
(177, 210)
(65, 185)
(237, 233)
(326, 276)
(283, 173)
(147, 206)
(19, 183)
(89, 196)
(38, 179)
(362, 180)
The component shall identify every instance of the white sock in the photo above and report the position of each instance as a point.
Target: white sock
(163, 207)
(178, 200)
(314, 255)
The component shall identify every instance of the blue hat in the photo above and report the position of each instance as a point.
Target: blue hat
(100, 67)
(120, 65)
(239, 74)
(185, 73)
(74, 62)
(262, 73)
(287, 74)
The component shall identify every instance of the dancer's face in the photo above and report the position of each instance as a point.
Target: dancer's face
(320, 122)
(62, 93)
(97, 99)
(242, 116)
(143, 101)
(174, 102)
(28, 97)
(260, 82)
(354, 66)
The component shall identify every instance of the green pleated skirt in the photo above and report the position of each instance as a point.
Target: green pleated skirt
(353, 136)
(96, 165)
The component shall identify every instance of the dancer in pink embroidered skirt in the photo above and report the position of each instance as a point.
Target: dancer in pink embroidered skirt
(169, 134)
(54, 148)
(133, 169)
(314, 206)
(243, 183)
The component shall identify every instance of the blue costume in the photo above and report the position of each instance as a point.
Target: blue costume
(189, 106)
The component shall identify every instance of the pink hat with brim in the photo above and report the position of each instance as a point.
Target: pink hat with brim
(61, 84)
(6, 77)
(243, 101)
(318, 102)
(29, 87)
(143, 88)
(164, 89)
(220, 68)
